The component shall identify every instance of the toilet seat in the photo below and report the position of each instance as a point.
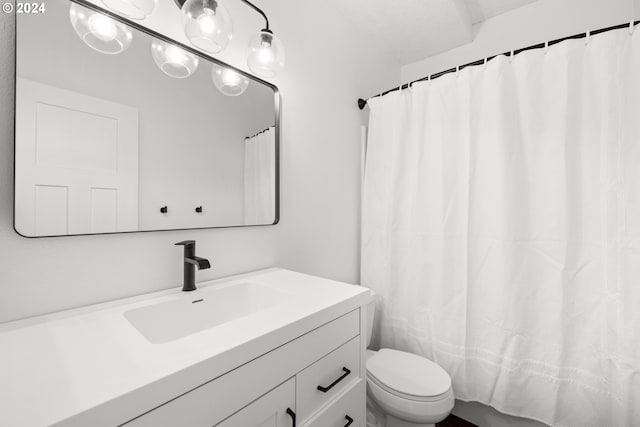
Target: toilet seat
(406, 396)
(408, 376)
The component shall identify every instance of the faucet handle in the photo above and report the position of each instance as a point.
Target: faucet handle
(186, 243)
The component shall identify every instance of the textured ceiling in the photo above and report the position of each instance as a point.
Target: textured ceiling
(416, 29)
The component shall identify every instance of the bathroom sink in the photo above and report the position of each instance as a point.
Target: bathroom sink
(203, 309)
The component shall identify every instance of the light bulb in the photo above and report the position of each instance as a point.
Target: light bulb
(265, 56)
(175, 55)
(228, 81)
(207, 24)
(172, 60)
(134, 9)
(102, 27)
(99, 31)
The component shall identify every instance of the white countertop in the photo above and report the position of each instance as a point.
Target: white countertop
(89, 366)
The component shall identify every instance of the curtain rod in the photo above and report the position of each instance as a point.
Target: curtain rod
(363, 102)
(262, 131)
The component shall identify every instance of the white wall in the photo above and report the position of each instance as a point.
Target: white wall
(534, 23)
(537, 22)
(328, 67)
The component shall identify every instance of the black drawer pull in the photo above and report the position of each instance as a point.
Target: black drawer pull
(292, 415)
(349, 420)
(333, 384)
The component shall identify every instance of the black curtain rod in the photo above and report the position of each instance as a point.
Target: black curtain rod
(262, 131)
(363, 102)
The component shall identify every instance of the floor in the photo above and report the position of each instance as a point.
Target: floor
(453, 421)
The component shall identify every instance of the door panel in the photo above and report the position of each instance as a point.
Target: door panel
(51, 214)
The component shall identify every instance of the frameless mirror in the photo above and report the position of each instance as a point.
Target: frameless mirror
(119, 129)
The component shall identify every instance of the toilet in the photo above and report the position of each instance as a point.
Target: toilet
(410, 390)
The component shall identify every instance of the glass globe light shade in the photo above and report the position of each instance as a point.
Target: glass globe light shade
(265, 56)
(207, 24)
(172, 60)
(228, 81)
(134, 9)
(98, 31)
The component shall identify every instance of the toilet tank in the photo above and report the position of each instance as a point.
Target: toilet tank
(371, 314)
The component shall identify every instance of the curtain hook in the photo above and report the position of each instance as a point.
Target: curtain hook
(484, 65)
(587, 38)
(457, 71)
(631, 27)
(546, 47)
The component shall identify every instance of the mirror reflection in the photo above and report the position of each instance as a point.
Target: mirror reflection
(120, 131)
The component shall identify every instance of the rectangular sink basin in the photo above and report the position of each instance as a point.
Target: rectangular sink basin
(196, 311)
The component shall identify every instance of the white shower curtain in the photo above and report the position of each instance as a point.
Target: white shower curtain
(501, 228)
(259, 178)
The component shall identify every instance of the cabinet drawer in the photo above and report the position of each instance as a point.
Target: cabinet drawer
(321, 382)
(348, 410)
(268, 411)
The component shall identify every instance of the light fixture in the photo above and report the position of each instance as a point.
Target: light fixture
(265, 56)
(207, 24)
(134, 9)
(228, 81)
(98, 31)
(172, 60)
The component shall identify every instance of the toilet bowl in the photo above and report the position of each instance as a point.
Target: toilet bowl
(411, 391)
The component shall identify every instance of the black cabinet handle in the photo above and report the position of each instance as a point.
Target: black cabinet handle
(349, 420)
(333, 384)
(292, 415)
(199, 209)
(164, 209)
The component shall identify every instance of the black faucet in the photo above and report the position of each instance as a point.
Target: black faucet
(191, 261)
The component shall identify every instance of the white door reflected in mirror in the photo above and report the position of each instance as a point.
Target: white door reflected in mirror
(76, 163)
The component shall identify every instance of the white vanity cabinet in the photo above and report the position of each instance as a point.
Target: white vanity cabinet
(315, 380)
(299, 352)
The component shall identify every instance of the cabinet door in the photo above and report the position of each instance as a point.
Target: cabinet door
(268, 411)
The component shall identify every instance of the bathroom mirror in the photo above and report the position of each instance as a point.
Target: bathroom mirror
(119, 129)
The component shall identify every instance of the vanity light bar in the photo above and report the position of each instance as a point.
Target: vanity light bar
(207, 25)
(173, 58)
